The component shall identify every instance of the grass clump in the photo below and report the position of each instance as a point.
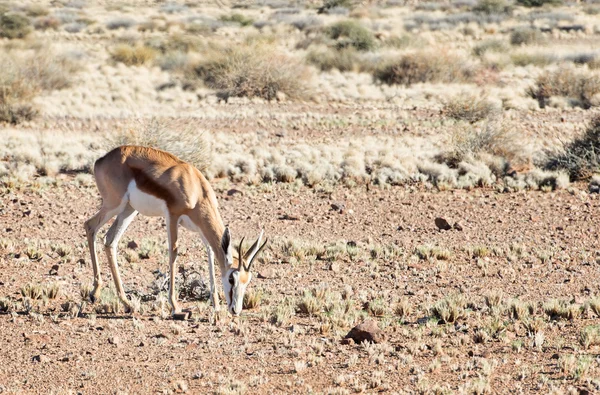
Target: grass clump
(253, 71)
(526, 36)
(403, 308)
(580, 157)
(351, 34)
(240, 19)
(490, 46)
(130, 55)
(331, 4)
(492, 7)
(424, 66)
(470, 108)
(345, 59)
(180, 138)
(253, 298)
(589, 336)
(24, 75)
(309, 304)
(557, 310)
(14, 26)
(488, 138)
(450, 309)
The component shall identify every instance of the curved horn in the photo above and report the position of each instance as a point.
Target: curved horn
(251, 253)
(241, 262)
(256, 254)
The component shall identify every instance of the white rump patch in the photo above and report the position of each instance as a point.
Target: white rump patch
(145, 203)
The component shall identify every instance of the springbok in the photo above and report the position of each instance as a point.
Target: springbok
(134, 179)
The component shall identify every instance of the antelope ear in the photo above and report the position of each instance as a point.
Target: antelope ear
(227, 246)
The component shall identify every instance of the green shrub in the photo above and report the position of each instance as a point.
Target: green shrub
(581, 156)
(578, 85)
(351, 34)
(14, 26)
(426, 66)
(346, 59)
(253, 71)
(329, 4)
(237, 18)
(491, 7)
(538, 3)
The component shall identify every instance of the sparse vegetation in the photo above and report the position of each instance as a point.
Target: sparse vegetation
(137, 55)
(579, 157)
(469, 108)
(14, 25)
(350, 33)
(253, 71)
(424, 66)
(579, 86)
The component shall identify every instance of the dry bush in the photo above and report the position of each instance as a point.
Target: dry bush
(120, 23)
(580, 86)
(350, 33)
(490, 46)
(14, 25)
(450, 309)
(492, 137)
(581, 156)
(179, 138)
(491, 7)
(525, 36)
(24, 75)
(240, 19)
(133, 55)
(345, 59)
(469, 107)
(424, 66)
(253, 71)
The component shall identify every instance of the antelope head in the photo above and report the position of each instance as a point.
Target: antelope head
(238, 275)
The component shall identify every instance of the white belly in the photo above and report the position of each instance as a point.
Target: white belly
(145, 203)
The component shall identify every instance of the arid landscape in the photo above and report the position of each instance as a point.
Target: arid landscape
(430, 170)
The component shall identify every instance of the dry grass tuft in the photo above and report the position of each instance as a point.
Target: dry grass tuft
(469, 107)
(182, 139)
(130, 55)
(450, 309)
(253, 71)
(580, 86)
(581, 156)
(492, 137)
(424, 66)
(25, 74)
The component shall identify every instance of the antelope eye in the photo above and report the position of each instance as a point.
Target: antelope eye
(231, 280)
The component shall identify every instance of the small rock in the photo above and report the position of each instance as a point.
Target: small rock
(180, 386)
(40, 358)
(266, 273)
(334, 267)
(114, 340)
(289, 217)
(54, 270)
(234, 191)
(400, 228)
(347, 341)
(442, 224)
(367, 331)
(457, 226)
(338, 207)
(280, 96)
(132, 245)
